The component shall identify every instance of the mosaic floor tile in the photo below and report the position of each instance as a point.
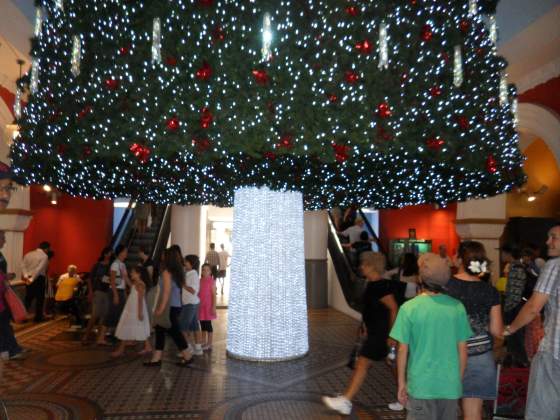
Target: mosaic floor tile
(60, 377)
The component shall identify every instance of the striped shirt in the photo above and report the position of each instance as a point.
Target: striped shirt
(549, 284)
(213, 258)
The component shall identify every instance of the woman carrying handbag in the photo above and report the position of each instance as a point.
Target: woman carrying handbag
(9, 348)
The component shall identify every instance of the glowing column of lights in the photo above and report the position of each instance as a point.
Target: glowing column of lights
(267, 309)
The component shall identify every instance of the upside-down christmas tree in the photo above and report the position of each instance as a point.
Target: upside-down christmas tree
(380, 103)
(376, 103)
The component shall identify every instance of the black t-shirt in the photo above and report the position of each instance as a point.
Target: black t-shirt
(375, 314)
(361, 246)
(98, 271)
(478, 298)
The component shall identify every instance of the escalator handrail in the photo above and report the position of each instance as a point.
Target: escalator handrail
(123, 226)
(162, 236)
(333, 230)
(347, 277)
(371, 231)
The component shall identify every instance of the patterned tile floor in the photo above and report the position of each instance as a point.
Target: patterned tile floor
(61, 379)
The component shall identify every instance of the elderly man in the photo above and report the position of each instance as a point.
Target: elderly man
(544, 382)
(65, 288)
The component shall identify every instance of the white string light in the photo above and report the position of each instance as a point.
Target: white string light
(473, 7)
(457, 66)
(383, 47)
(503, 90)
(267, 37)
(38, 21)
(493, 29)
(515, 112)
(156, 42)
(60, 5)
(17, 104)
(76, 55)
(34, 83)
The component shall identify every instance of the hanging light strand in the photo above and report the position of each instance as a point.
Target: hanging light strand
(515, 112)
(493, 28)
(17, 104)
(457, 67)
(76, 55)
(383, 47)
(267, 37)
(503, 90)
(38, 21)
(34, 84)
(473, 7)
(156, 42)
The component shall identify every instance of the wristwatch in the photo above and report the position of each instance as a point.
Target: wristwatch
(507, 330)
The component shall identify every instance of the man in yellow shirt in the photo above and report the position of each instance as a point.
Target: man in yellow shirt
(65, 288)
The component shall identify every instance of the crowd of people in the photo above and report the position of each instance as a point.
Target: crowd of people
(445, 332)
(176, 297)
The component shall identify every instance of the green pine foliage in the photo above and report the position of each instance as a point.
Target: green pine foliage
(214, 115)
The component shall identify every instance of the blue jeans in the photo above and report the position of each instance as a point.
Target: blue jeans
(543, 400)
(189, 318)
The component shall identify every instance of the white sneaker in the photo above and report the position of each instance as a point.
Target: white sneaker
(396, 406)
(340, 404)
(198, 350)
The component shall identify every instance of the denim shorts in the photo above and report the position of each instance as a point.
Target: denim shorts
(480, 377)
(189, 318)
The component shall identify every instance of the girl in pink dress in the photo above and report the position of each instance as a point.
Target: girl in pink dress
(207, 306)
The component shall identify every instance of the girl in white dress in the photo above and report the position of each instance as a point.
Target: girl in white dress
(134, 324)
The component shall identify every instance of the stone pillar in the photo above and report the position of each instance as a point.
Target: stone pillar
(316, 268)
(484, 220)
(16, 218)
(188, 229)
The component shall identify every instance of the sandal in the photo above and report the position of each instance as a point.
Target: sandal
(185, 362)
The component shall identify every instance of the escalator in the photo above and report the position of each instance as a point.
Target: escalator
(154, 239)
(351, 281)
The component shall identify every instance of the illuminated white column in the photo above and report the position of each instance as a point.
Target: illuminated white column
(267, 319)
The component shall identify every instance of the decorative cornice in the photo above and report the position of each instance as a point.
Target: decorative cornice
(542, 75)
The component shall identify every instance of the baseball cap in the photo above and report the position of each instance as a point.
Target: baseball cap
(434, 270)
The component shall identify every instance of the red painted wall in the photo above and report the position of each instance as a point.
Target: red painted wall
(8, 97)
(437, 225)
(546, 94)
(77, 229)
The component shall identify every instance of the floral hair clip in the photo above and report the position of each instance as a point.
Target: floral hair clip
(477, 267)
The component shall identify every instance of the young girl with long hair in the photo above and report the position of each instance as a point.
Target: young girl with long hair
(207, 306)
(134, 324)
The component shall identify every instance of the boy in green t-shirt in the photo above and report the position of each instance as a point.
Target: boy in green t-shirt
(432, 330)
